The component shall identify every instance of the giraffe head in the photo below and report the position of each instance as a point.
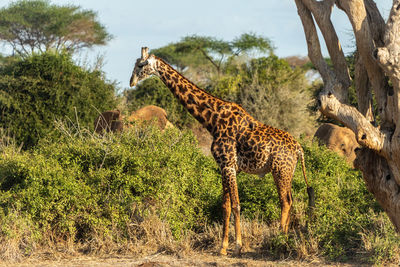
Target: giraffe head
(145, 67)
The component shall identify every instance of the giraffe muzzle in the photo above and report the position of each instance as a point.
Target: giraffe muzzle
(133, 81)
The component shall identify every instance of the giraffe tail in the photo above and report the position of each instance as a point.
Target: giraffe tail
(310, 190)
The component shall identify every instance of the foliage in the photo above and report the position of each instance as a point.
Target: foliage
(83, 188)
(215, 52)
(39, 89)
(84, 185)
(226, 86)
(182, 61)
(274, 93)
(338, 221)
(32, 26)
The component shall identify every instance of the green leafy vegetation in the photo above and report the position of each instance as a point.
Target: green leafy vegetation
(84, 188)
(201, 52)
(277, 94)
(39, 89)
(76, 187)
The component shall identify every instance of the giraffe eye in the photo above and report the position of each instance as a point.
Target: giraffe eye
(141, 64)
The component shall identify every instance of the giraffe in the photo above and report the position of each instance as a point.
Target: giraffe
(240, 142)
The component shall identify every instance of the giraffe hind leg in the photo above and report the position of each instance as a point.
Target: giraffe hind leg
(283, 183)
(286, 206)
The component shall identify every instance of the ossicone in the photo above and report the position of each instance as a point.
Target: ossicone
(145, 53)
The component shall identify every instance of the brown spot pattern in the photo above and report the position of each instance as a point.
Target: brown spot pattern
(241, 143)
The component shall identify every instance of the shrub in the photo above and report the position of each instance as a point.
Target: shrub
(84, 189)
(84, 186)
(277, 94)
(36, 90)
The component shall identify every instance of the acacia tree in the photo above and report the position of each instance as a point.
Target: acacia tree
(33, 26)
(199, 50)
(376, 121)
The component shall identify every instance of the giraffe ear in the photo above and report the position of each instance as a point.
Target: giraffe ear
(145, 53)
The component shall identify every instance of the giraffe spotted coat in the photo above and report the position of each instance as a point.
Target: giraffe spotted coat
(240, 142)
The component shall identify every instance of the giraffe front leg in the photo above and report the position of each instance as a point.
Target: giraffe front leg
(226, 210)
(236, 212)
(231, 192)
(224, 152)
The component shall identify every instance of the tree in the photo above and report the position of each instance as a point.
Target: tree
(33, 26)
(377, 80)
(210, 50)
(37, 90)
(277, 94)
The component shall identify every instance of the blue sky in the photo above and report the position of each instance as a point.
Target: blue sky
(155, 23)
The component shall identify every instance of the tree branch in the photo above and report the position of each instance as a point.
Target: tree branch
(313, 44)
(209, 59)
(376, 22)
(363, 89)
(362, 82)
(357, 15)
(321, 11)
(366, 134)
(388, 58)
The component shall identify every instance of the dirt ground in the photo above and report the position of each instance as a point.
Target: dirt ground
(161, 260)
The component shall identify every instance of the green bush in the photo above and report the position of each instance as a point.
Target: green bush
(49, 195)
(37, 90)
(83, 186)
(338, 221)
(276, 94)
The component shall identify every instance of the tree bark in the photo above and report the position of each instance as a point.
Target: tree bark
(363, 89)
(377, 59)
(379, 180)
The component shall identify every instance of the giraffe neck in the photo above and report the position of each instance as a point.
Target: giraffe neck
(203, 106)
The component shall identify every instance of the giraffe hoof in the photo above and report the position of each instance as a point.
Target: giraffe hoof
(222, 252)
(238, 250)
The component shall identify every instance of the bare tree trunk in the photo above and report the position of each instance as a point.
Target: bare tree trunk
(380, 182)
(378, 57)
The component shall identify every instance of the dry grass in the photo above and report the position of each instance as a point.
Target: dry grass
(147, 235)
(146, 232)
(151, 240)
